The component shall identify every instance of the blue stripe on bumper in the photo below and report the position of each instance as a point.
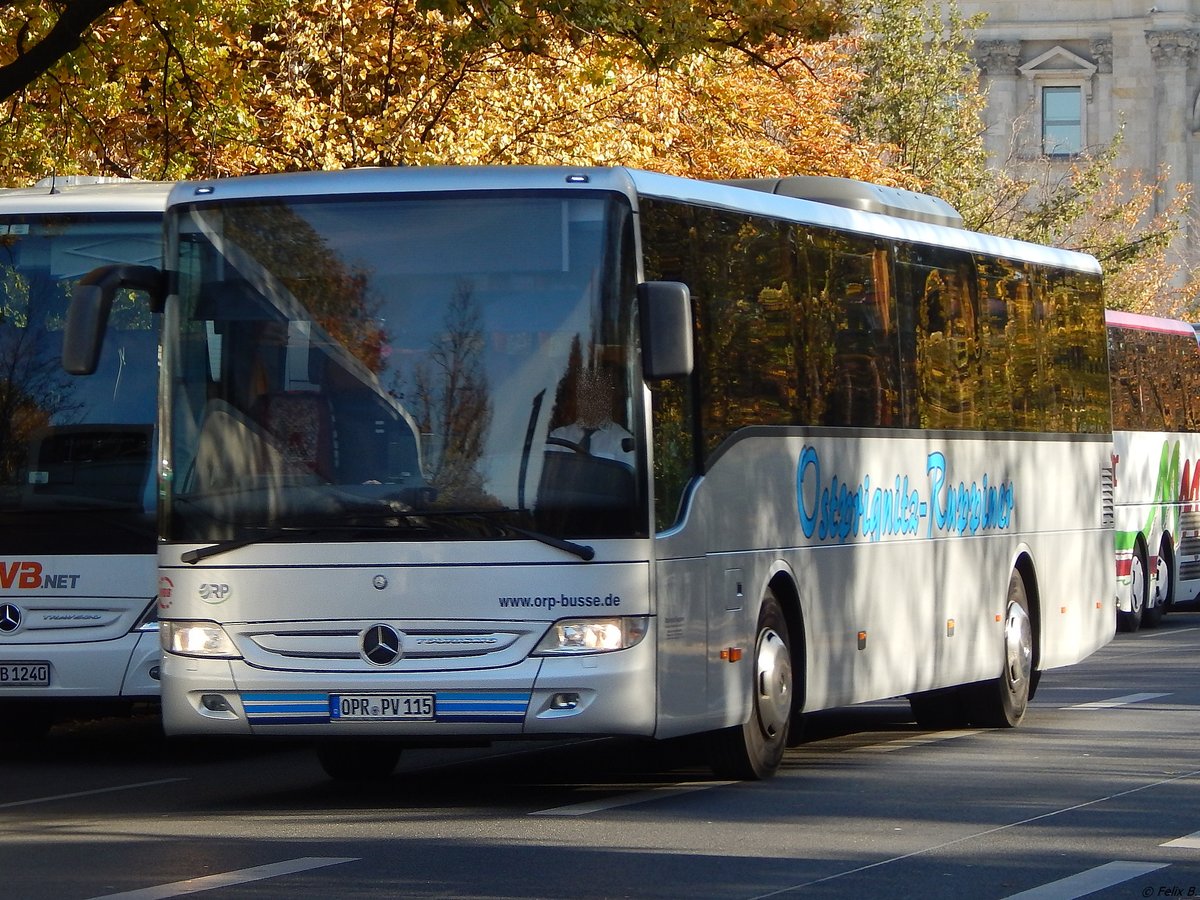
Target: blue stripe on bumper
(278, 707)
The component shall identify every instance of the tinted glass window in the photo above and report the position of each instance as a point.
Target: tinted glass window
(798, 325)
(76, 453)
(406, 368)
(939, 296)
(1155, 380)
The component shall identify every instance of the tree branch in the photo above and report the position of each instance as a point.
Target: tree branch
(64, 38)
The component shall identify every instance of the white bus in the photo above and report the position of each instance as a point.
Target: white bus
(1155, 365)
(78, 540)
(439, 464)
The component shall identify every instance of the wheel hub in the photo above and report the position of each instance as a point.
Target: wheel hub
(1018, 645)
(773, 683)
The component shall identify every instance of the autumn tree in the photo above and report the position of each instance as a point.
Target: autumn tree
(920, 95)
(165, 90)
(1130, 222)
(39, 34)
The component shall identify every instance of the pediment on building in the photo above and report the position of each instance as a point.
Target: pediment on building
(1058, 62)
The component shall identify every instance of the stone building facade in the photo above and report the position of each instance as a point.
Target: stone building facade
(1061, 78)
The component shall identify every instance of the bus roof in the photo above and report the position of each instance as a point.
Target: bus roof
(1116, 318)
(873, 198)
(631, 182)
(66, 196)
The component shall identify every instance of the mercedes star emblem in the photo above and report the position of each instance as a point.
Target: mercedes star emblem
(10, 617)
(381, 645)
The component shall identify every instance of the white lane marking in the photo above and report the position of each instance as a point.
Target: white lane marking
(107, 790)
(976, 835)
(1089, 882)
(904, 743)
(1188, 841)
(1117, 701)
(657, 793)
(227, 879)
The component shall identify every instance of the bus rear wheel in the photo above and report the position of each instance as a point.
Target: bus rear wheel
(754, 750)
(358, 761)
(1164, 585)
(1003, 701)
(1132, 620)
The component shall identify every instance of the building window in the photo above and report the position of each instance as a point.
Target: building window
(1062, 121)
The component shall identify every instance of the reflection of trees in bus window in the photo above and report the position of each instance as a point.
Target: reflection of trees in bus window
(1155, 379)
(943, 293)
(1078, 368)
(34, 390)
(335, 295)
(795, 325)
(451, 401)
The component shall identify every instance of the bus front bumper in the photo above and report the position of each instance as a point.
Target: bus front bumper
(599, 694)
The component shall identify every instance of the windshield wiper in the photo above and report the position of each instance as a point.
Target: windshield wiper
(191, 557)
(583, 551)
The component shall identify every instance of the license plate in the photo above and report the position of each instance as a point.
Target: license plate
(380, 707)
(30, 674)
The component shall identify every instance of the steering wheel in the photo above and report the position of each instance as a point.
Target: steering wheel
(570, 445)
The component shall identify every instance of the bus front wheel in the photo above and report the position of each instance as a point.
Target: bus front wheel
(753, 750)
(1002, 702)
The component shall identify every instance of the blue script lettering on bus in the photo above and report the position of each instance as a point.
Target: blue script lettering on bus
(837, 510)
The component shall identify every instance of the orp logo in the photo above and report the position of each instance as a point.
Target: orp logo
(214, 593)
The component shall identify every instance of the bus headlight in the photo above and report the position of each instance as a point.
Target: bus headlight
(574, 636)
(197, 639)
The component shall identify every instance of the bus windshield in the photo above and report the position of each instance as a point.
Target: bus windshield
(75, 453)
(404, 368)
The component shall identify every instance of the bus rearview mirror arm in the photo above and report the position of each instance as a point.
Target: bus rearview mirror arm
(92, 300)
(665, 310)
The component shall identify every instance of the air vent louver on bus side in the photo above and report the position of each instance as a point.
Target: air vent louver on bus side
(1189, 545)
(1107, 515)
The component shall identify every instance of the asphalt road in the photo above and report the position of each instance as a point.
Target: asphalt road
(1097, 794)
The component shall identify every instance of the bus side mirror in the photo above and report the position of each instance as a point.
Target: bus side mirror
(91, 301)
(666, 321)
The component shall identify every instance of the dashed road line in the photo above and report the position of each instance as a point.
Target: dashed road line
(1097, 879)
(977, 835)
(1187, 842)
(92, 793)
(921, 741)
(657, 793)
(1116, 701)
(228, 879)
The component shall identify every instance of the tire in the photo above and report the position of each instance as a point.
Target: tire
(753, 751)
(358, 761)
(1164, 586)
(1132, 621)
(1003, 701)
